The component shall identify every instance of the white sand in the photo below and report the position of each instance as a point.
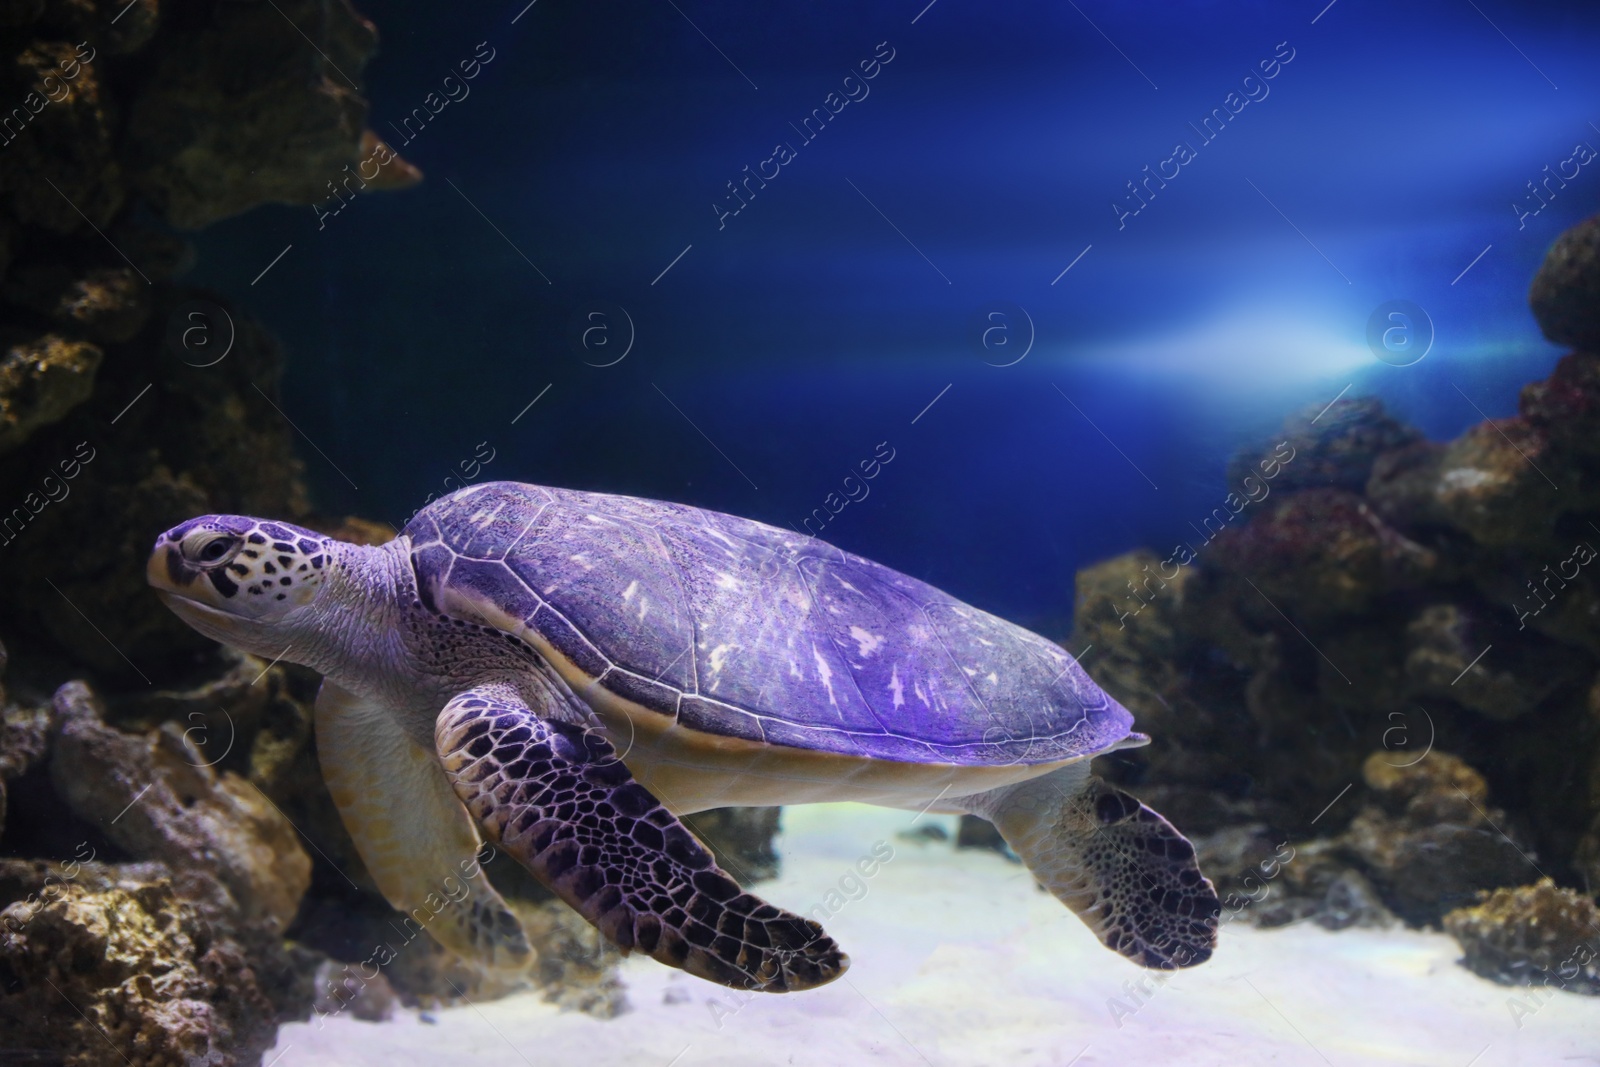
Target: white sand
(958, 961)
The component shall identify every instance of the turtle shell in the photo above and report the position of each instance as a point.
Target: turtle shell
(744, 630)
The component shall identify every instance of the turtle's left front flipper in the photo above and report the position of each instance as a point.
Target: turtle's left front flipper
(556, 797)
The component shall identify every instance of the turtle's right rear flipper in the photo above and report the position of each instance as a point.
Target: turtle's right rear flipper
(556, 797)
(1122, 867)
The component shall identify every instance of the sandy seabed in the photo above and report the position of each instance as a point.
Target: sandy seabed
(959, 961)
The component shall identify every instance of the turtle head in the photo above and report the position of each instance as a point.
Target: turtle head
(240, 580)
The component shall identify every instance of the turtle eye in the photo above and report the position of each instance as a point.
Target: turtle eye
(210, 548)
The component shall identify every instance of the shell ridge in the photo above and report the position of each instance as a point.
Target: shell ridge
(816, 601)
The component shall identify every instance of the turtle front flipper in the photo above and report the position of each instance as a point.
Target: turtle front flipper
(1129, 875)
(410, 830)
(556, 797)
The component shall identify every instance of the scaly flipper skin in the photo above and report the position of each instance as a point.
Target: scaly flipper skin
(1127, 873)
(556, 797)
(417, 843)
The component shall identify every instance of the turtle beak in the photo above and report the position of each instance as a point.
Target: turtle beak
(166, 570)
(174, 580)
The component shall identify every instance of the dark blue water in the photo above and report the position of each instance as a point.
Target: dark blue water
(585, 170)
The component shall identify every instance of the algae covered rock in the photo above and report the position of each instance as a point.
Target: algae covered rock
(1566, 292)
(1537, 934)
(1566, 405)
(63, 160)
(1332, 447)
(1500, 483)
(158, 799)
(243, 109)
(40, 381)
(1431, 841)
(1323, 552)
(146, 979)
(1445, 646)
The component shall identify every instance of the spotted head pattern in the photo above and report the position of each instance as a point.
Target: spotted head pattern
(242, 566)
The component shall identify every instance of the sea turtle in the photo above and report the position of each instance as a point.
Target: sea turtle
(568, 672)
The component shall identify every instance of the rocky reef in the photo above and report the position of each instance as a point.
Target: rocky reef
(1532, 935)
(174, 879)
(1373, 670)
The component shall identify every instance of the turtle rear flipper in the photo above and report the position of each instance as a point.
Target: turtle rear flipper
(556, 797)
(1118, 864)
(417, 843)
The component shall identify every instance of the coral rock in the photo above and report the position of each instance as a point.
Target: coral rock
(106, 304)
(339, 990)
(1566, 405)
(147, 978)
(1566, 292)
(158, 799)
(1498, 483)
(1432, 842)
(1334, 447)
(1445, 658)
(244, 109)
(1532, 935)
(61, 163)
(40, 382)
(1322, 552)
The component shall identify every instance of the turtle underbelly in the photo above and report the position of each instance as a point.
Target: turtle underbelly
(691, 770)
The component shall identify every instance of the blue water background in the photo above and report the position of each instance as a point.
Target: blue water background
(789, 340)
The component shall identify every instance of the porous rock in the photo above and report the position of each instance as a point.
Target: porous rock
(146, 977)
(1445, 658)
(40, 381)
(1333, 447)
(1431, 840)
(107, 305)
(1322, 552)
(158, 799)
(60, 171)
(1536, 934)
(243, 108)
(1566, 405)
(1500, 483)
(1565, 294)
